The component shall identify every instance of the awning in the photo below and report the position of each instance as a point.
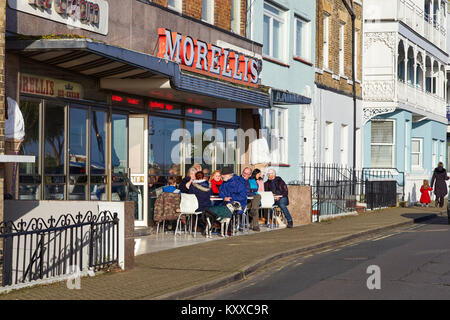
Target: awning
(280, 97)
(129, 71)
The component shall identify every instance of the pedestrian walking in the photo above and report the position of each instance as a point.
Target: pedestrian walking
(438, 183)
(425, 194)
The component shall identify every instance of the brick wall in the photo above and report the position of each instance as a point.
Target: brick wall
(193, 8)
(338, 14)
(2, 115)
(222, 12)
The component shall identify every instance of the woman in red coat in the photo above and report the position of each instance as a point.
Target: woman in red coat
(425, 191)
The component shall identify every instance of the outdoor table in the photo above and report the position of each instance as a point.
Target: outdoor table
(215, 198)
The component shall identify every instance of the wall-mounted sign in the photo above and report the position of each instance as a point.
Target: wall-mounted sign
(205, 58)
(283, 97)
(37, 85)
(91, 15)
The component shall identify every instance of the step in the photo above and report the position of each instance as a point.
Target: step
(143, 231)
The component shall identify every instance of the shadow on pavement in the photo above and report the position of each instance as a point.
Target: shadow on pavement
(439, 218)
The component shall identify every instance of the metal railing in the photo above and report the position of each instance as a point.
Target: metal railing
(336, 189)
(41, 249)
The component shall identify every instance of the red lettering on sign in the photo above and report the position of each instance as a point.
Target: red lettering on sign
(200, 57)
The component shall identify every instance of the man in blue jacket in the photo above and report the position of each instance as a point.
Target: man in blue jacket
(233, 187)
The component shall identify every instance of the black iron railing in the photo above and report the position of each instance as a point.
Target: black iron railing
(337, 189)
(43, 249)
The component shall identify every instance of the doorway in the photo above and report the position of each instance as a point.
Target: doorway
(138, 155)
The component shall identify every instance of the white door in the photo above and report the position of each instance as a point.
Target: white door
(138, 155)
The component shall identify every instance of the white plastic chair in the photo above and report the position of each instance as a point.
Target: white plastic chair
(268, 202)
(188, 205)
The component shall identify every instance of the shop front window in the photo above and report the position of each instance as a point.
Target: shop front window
(226, 115)
(77, 153)
(29, 175)
(196, 145)
(160, 160)
(98, 155)
(54, 129)
(119, 156)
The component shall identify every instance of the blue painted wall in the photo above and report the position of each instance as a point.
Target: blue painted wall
(294, 77)
(426, 130)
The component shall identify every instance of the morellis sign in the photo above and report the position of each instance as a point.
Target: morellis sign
(91, 15)
(208, 59)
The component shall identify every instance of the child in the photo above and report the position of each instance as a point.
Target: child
(201, 188)
(172, 186)
(425, 191)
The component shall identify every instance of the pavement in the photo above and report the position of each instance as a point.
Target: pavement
(184, 272)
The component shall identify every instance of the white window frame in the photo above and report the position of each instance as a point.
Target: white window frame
(178, 5)
(386, 144)
(271, 120)
(305, 38)
(434, 151)
(209, 18)
(236, 23)
(441, 151)
(282, 20)
(341, 48)
(326, 40)
(420, 153)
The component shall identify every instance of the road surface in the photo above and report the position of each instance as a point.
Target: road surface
(413, 263)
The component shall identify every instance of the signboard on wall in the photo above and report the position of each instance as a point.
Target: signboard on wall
(91, 15)
(48, 87)
(205, 58)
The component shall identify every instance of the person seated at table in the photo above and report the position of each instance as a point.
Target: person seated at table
(279, 187)
(171, 185)
(155, 181)
(197, 166)
(251, 188)
(233, 188)
(187, 181)
(258, 177)
(200, 187)
(216, 182)
(206, 172)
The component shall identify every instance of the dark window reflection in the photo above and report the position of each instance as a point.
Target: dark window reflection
(77, 154)
(98, 155)
(77, 150)
(98, 142)
(54, 139)
(29, 178)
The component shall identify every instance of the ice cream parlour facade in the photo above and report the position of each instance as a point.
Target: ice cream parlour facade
(108, 123)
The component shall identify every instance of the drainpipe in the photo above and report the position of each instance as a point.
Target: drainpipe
(350, 10)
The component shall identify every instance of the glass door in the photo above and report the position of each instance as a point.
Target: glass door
(138, 159)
